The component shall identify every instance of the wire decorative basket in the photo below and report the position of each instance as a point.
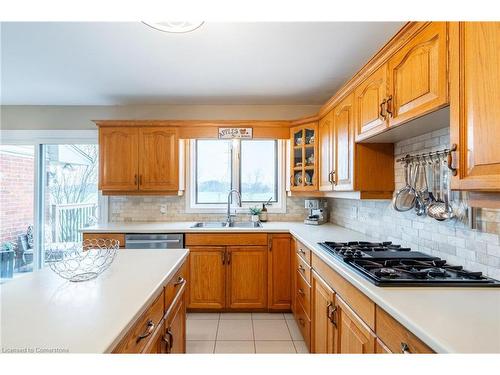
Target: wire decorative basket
(83, 261)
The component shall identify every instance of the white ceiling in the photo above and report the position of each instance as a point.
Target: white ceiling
(62, 63)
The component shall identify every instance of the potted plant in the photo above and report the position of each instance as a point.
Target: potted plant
(255, 212)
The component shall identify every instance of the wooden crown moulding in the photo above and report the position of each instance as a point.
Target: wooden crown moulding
(393, 45)
(189, 129)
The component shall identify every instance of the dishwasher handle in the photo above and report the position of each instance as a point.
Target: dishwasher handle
(153, 241)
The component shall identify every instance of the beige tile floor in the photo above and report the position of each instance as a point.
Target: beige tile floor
(243, 333)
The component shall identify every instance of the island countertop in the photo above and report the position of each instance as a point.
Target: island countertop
(43, 313)
(449, 320)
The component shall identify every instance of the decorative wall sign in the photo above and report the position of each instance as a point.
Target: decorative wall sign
(232, 133)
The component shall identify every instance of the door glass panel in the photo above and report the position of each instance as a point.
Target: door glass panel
(70, 195)
(17, 184)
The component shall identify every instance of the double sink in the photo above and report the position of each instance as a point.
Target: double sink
(224, 224)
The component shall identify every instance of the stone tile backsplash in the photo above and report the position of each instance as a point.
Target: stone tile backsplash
(477, 250)
(132, 208)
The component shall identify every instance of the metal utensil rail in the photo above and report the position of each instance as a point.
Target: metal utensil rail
(409, 159)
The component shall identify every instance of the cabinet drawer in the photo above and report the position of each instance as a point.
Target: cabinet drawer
(174, 285)
(142, 331)
(120, 237)
(303, 252)
(303, 293)
(304, 269)
(304, 324)
(360, 303)
(226, 239)
(396, 337)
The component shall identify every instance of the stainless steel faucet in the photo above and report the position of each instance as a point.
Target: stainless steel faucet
(230, 217)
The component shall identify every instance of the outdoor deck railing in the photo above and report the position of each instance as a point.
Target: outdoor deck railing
(68, 219)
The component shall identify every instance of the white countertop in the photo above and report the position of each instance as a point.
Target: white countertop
(449, 320)
(43, 311)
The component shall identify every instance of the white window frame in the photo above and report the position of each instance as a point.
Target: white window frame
(38, 138)
(211, 208)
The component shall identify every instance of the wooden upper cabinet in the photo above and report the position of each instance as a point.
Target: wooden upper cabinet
(369, 102)
(304, 157)
(118, 156)
(475, 109)
(246, 280)
(159, 159)
(323, 330)
(326, 150)
(343, 123)
(353, 335)
(207, 273)
(279, 272)
(418, 75)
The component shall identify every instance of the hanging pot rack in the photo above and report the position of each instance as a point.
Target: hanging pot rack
(408, 159)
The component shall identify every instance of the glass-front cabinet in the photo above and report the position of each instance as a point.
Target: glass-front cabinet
(304, 157)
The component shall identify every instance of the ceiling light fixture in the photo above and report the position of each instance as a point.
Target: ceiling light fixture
(174, 26)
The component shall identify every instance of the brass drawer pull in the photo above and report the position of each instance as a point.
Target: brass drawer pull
(168, 339)
(388, 108)
(331, 312)
(382, 107)
(301, 292)
(302, 251)
(302, 322)
(405, 349)
(301, 268)
(149, 330)
(180, 281)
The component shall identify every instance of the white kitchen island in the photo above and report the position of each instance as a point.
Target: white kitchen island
(43, 313)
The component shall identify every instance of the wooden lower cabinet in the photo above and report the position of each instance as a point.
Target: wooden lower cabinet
(120, 237)
(380, 347)
(279, 291)
(207, 274)
(246, 279)
(353, 335)
(175, 331)
(323, 329)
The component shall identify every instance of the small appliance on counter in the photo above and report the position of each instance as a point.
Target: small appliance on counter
(318, 211)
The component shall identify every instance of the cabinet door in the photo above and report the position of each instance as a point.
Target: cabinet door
(159, 159)
(380, 348)
(206, 286)
(293, 267)
(353, 335)
(246, 277)
(417, 78)
(304, 157)
(279, 261)
(118, 159)
(326, 147)
(323, 330)
(475, 111)
(369, 103)
(175, 333)
(343, 123)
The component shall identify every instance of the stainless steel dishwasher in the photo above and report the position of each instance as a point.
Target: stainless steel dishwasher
(154, 241)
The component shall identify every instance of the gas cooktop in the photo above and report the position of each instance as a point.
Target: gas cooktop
(387, 264)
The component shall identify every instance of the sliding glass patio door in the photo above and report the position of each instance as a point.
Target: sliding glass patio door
(48, 194)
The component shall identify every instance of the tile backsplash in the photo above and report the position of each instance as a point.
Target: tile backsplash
(131, 208)
(477, 250)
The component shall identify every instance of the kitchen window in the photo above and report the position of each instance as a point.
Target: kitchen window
(253, 167)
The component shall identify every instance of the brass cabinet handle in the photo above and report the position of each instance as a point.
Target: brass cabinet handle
(388, 108)
(300, 291)
(149, 330)
(334, 180)
(302, 251)
(180, 281)
(331, 312)
(301, 269)
(223, 258)
(405, 349)
(135, 179)
(270, 243)
(169, 340)
(302, 322)
(449, 159)
(228, 261)
(382, 107)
